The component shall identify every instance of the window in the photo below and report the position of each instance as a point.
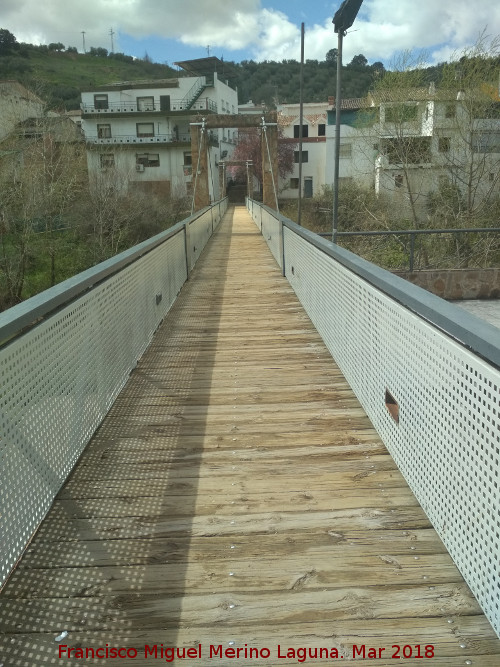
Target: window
(104, 131)
(305, 156)
(444, 144)
(107, 160)
(408, 150)
(398, 180)
(296, 130)
(450, 111)
(401, 113)
(188, 164)
(145, 129)
(101, 102)
(148, 159)
(321, 130)
(487, 142)
(345, 150)
(294, 183)
(308, 186)
(145, 104)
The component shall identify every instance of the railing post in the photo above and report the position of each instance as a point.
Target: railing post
(186, 249)
(282, 247)
(412, 251)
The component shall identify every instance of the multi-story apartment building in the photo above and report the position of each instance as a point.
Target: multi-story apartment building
(436, 138)
(138, 133)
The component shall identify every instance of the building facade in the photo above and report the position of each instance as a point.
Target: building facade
(313, 147)
(139, 135)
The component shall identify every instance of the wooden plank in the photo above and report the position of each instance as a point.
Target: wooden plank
(289, 573)
(161, 525)
(356, 543)
(157, 611)
(469, 638)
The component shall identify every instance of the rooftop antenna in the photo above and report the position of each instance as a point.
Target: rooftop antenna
(83, 35)
(111, 34)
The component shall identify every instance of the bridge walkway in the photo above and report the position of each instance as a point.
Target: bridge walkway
(237, 495)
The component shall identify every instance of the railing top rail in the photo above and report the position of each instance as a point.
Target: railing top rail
(23, 315)
(134, 139)
(477, 335)
(409, 232)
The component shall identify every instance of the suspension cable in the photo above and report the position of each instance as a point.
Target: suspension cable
(211, 172)
(264, 127)
(200, 142)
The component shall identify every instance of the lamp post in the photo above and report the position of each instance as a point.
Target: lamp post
(343, 20)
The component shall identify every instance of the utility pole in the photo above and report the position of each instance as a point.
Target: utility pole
(343, 20)
(301, 120)
(83, 35)
(111, 33)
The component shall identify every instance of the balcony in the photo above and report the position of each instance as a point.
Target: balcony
(124, 108)
(182, 138)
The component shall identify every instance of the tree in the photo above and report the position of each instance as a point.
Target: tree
(400, 96)
(98, 52)
(41, 176)
(470, 139)
(56, 46)
(378, 68)
(8, 42)
(249, 148)
(358, 61)
(331, 57)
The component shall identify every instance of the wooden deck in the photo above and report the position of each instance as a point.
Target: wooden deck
(237, 495)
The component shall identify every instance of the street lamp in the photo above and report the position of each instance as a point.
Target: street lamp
(343, 20)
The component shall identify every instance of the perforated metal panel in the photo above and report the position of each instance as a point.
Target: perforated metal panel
(271, 231)
(60, 379)
(255, 212)
(447, 440)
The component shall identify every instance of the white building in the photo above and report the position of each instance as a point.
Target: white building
(437, 138)
(138, 133)
(313, 147)
(358, 146)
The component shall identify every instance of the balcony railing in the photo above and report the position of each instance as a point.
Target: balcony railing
(203, 104)
(133, 139)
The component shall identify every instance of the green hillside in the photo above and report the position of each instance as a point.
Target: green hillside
(60, 76)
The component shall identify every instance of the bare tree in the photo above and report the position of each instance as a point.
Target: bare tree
(469, 136)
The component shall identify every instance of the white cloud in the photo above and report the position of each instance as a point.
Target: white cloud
(382, 28)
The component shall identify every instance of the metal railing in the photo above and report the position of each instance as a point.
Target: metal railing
(413, 233)
(184, 137)
(427, 374)
(66, 353)
(201, 104)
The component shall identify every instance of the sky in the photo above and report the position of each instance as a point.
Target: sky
(173, 30)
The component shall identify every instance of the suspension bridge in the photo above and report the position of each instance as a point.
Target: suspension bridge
(239, 440)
